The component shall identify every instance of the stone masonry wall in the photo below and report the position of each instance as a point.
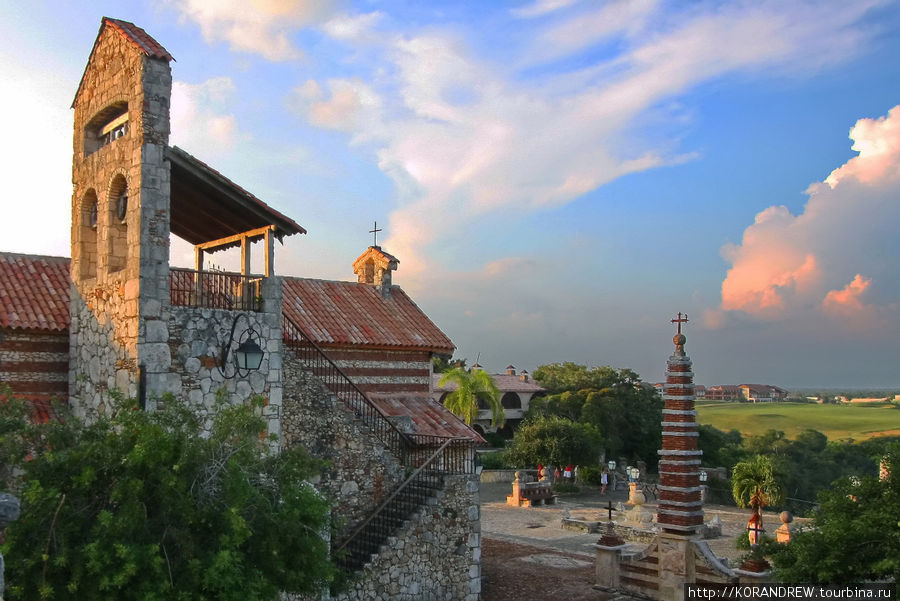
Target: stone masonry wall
(362, 471)
(118, 302)
(197, 337)
(436, 558)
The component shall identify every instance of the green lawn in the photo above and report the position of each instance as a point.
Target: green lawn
(837, 422)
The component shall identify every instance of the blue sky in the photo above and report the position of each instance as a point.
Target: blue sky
(557, 177)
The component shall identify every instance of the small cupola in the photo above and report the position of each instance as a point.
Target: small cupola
(374, 267)
(523, 375)
(510, 370)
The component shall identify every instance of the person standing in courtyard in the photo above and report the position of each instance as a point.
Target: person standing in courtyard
(556, 475)
(575, 475)
(604, 480)
(567, 474)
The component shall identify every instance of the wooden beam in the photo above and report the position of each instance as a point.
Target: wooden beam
(252, 235)
(245, 255)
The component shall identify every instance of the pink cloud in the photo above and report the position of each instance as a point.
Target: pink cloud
(791, 266)
(848, 298)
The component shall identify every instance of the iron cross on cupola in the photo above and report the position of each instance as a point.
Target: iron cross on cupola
(374, 231)
(680, 320)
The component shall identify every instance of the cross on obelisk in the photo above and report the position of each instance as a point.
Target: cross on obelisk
(680, 320)
(374, 231)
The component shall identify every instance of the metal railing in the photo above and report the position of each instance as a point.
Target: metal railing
(214, 290)
(366, 539)
(314, 359)
(431, 457)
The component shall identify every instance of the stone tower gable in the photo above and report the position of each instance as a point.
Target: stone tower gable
(120, 215)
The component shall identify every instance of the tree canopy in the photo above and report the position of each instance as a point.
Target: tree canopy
(626, 414)
(855, 535)
(554, 440)
(472, 386)
(149, 506)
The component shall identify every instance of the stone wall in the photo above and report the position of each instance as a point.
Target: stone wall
(120, 263)
(362, 471)
(197, 337)
(436, 558)
(35, 363)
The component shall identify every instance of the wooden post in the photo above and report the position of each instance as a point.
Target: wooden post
(245, 256)
(270, 253)
(198, 279)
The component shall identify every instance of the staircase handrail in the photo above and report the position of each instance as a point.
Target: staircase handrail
(403, 439)
(394, 494)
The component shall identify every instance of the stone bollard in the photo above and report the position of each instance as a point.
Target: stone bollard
(9, 512)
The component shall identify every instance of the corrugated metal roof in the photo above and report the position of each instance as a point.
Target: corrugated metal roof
(341, 313)
(34, 292)
(429, 417)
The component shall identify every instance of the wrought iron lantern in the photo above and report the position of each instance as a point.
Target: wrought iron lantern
(248, 355)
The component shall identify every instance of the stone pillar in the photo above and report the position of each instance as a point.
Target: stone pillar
(676, 565)
(606, 566)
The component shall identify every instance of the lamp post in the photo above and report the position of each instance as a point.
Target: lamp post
(704, 490)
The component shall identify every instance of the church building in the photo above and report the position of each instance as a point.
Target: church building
(345, 367)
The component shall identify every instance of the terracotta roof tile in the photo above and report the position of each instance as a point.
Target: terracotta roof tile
(139, 38)
(34, 292)
(429, 417)
(340, 313)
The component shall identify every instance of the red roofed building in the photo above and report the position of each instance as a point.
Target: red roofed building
(516, 394)
(345, 367)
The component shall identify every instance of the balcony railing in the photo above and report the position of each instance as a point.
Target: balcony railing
(214, 290)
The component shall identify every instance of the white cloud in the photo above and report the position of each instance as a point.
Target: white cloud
(788, 266)
(539, 8)
(348, 27)
(263, 27)
(466, 139)
(199, 120)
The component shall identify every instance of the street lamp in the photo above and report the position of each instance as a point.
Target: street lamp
(248, 355)
(611, 465)
(635, 474)
(703, 475)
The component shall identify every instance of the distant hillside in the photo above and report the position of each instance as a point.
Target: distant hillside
(837, 422)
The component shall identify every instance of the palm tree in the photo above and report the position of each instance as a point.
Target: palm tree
(471, 386)
(754, 483)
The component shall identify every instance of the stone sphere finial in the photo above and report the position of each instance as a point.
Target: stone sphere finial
(786, 517)
(679, 339)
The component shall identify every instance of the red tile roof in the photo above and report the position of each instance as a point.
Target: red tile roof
(341, 313)
(140, 38)
(429, 417)
(34, 292)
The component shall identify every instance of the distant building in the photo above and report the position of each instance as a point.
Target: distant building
(748, 393)
(516, 393)
(724, 392)
(762, 393)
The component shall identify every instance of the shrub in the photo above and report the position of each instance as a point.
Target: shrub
(493, 461)
(589, 475)
(494, 439)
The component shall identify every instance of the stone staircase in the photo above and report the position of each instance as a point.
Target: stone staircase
(428, 459)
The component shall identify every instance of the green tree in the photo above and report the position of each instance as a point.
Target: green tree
(755, 483)
(151, 506)
(442, 363)
(627, 414)
(554, 440)
(472, 386)
(855, 535)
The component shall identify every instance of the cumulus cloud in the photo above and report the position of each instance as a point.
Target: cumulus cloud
(262, 27)
(789, 265)
(350, 105)
(199, 119)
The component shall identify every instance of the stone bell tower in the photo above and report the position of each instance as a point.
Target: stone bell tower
(120, 217)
